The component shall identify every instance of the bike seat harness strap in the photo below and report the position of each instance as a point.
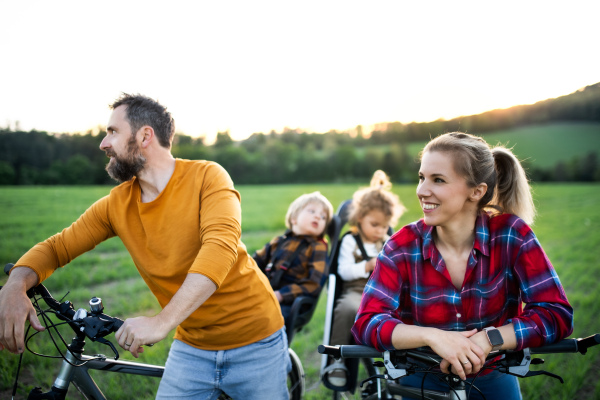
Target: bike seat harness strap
(361, 246)
(277, 268)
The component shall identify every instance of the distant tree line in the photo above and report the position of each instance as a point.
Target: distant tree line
(36, 157)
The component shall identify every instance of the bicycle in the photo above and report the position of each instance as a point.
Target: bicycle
(400, 363)
(95, 325)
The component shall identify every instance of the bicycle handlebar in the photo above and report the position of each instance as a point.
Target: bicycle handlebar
(7, 268)
(95, 324)
(424, 353)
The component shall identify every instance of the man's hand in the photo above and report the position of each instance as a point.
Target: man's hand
(136, 332)
(139, 331)
(459, 352)
(15, 309)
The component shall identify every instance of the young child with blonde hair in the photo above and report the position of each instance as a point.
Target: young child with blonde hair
(295, 261)
(373, 211)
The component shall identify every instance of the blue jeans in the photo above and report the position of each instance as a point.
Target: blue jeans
(495, 386)
(256, 371)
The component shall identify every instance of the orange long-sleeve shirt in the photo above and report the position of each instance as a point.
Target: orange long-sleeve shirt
(193, 226)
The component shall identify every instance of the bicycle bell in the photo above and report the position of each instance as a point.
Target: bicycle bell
(96, 305)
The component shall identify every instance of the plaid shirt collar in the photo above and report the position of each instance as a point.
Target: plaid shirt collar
(288, 234)
(481, 244)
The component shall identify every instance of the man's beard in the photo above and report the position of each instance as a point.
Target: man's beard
(124, 169)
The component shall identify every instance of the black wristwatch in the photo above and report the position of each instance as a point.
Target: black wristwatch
(494, 337)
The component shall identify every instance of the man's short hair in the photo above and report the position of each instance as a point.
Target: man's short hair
(142, 110)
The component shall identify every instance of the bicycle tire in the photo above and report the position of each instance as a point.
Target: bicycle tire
(296, 377)
(369, 368)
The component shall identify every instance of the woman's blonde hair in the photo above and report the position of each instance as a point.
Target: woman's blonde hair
(508, 189)
(304, 200)
(377, 196)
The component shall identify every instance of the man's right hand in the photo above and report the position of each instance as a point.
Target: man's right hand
(15, 309)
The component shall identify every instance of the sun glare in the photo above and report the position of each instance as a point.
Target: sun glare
(269, 65)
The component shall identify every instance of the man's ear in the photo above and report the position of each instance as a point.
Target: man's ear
(478, 192)
(147, 134)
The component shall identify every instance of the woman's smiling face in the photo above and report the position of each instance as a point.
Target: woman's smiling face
(443, 194)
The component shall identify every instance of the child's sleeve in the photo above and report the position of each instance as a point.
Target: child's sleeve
(262, 256)
(348, 268)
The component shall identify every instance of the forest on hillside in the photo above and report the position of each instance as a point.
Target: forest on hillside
(292, 156)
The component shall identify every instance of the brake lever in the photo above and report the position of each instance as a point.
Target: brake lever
(522, 368)
(550, 374)
(391, 369)
(109, 344)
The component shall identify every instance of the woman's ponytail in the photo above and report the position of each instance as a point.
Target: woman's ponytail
(513, 193)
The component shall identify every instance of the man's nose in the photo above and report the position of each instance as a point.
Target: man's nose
(104, 143)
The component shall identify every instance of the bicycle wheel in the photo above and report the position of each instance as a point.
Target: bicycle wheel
(295, 380)
(366, 369)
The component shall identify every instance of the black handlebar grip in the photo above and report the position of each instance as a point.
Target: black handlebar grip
(358, 351)
(117, 323)
(350, 351)
(8, 267)
(591, 340)
(588, 342)
(564, 346)
(329, 350)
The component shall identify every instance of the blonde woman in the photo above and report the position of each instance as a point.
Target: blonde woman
(457, 279)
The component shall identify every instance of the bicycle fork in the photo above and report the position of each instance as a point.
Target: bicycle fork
(65, 375)
(459, 389)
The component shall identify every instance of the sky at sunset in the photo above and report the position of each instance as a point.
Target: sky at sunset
(256, 66)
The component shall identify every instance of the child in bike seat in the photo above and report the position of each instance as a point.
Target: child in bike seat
(470, 277)
(295, 261)
(372, 213)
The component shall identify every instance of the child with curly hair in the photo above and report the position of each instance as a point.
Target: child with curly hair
(373, 211)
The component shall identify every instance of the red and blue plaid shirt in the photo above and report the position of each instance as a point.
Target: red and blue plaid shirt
(506, 268)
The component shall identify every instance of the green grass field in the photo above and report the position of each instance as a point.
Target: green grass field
(567, 227)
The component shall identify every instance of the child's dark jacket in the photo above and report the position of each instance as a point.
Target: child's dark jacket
(302, 275)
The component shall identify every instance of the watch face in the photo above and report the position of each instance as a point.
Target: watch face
(495, 337)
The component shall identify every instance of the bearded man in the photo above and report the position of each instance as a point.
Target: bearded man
(180, 220)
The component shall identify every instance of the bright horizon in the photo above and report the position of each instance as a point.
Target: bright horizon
(247, 67)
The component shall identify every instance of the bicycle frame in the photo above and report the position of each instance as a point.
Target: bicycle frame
(85, 384)
(75, 369)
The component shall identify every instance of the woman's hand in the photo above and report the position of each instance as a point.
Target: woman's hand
(461, 355)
